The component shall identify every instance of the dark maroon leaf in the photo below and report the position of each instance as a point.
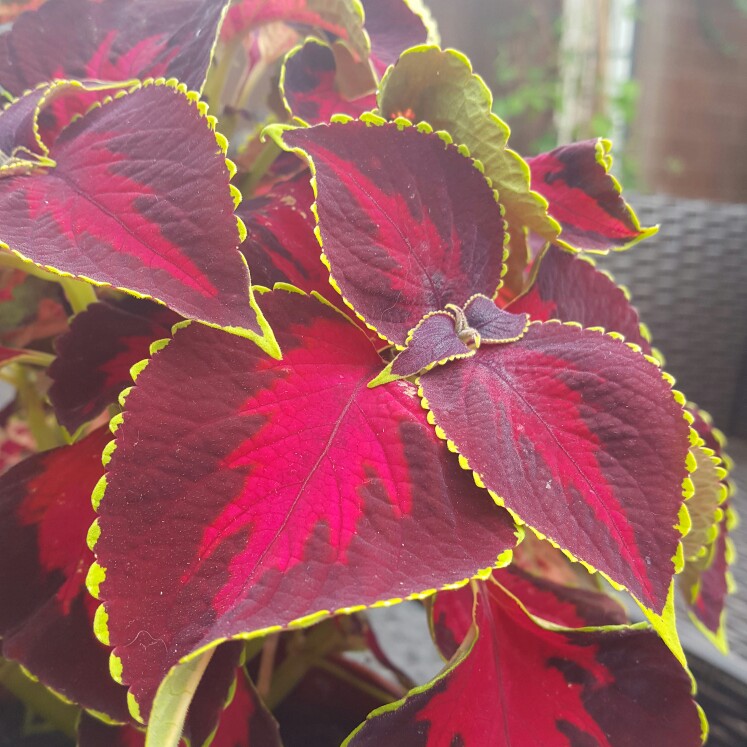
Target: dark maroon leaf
(562, 605)
(585, 198)
(111, 40)
(126, 207)
(493, 325)
(706, 583)
(407, 223)
(571, 289)
(309, 86)
(433, 341)
(275, 493)
(525, 682)
(393, 27)
(46, 614)
(580, 437)
(280, 245)
(95, 356)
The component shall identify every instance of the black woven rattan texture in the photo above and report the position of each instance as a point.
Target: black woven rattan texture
(689, 283)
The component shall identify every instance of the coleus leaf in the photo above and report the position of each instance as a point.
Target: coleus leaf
(438, 86)
(394, 26)
(709, 492)
(273, 494)
(443, 336)
(530, 682)
(579, 436)
(107, 40)
(95, 356)
(407, 223)
(223, 713)
(571, 289)
(117, 208)
(559, 604)
(280, 245)
(46, 613)
(706, 582)
(341, 19)
(319, 80)
(584, 198)
(308, 85)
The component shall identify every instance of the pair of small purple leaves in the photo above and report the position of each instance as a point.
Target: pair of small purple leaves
(454, 333)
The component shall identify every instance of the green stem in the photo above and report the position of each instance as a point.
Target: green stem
(294, 668)
(45, 435)
(172, 701)
(215, 84)
(260, 167)
(385, 696)
(80, 294)
(63, 716)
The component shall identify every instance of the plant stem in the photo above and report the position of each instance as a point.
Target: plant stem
(79, 294)
(294, 668)
(260, 167)
(63, 716)
(382, 693)
(266, 664)
(45, 435)
(172, 701)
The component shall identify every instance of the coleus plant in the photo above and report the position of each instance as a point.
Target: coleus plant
(372, 361)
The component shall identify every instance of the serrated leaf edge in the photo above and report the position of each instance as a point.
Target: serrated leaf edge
(276, 131)
(266, 341)
(684, 521)
(96, 576)
(603, 156)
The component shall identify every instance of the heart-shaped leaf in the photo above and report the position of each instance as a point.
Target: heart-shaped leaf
(274, 493)
(110, 40)
(407, 223)
(579, 436)
(571, 289)
(585, 199)
(530, 682)
(95, 356)
(124, 205)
